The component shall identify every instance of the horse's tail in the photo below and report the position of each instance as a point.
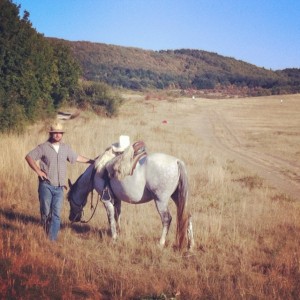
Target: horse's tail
(180, 198)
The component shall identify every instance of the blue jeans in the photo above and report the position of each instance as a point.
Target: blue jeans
(51, 200)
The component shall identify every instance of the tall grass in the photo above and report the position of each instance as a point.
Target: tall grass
(247, 234)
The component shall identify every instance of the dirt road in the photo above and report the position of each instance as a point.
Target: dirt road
(224, 126)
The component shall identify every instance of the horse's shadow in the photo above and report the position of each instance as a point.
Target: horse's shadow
(12, 216)
(86, 230)
(79, 228)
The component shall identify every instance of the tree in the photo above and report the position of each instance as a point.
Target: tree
(68, 72)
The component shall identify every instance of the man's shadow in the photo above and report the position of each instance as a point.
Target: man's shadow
(13, 216)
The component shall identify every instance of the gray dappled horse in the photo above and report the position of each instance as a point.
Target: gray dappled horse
(155, 177)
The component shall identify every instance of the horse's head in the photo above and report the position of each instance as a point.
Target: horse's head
(78, 192)
(76, 210)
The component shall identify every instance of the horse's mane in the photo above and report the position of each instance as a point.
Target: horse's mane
(101, 160)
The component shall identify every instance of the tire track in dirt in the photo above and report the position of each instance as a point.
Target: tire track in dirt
(269, 160)
(279, 173)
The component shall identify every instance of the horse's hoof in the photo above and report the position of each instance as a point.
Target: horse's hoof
(114, 242)
(161, 246)
(191, 248)
(188, 254)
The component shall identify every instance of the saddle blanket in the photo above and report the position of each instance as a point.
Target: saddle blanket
(124, 164)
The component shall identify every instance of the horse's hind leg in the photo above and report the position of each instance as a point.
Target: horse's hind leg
(190, 234)
(166, 219)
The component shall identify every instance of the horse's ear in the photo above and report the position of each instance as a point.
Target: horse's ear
(70, 183)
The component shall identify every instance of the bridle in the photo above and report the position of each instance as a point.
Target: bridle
(81, 211)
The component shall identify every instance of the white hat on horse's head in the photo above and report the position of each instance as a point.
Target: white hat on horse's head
(124, 142)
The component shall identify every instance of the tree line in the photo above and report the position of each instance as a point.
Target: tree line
(269, 82)
(141, 79)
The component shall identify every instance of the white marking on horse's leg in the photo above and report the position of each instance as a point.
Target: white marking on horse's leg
(110, 210)
(162, 240)
(190, 235)
(166, 219)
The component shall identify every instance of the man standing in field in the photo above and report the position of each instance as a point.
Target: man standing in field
(53, 156)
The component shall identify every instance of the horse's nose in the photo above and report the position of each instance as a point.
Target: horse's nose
(74, 218)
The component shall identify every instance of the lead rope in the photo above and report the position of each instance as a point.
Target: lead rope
(100, 197)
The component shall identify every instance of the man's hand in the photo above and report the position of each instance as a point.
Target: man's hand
(36, 168)
(83, 159)
(42, 175)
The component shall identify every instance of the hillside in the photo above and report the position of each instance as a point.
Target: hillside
(139, 69)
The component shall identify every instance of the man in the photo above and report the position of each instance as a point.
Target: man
(53, 156)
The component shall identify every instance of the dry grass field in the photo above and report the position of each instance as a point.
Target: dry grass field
(242, 157)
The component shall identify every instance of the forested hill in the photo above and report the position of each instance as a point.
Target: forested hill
(185, 69)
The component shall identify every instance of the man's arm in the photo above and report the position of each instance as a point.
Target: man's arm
(33, 165)
(83, 159)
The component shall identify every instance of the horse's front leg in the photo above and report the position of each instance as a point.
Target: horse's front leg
(117, 205)
(166, 219)
(100, 185)
(110, 210)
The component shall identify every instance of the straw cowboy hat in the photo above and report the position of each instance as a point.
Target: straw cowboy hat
(56, 127)
(124, 142)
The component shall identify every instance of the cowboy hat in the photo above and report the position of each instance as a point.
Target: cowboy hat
(124, 142)
(56, 127)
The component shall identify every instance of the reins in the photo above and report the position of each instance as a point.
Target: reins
(83, 221)
(82, 211)
(92, 180)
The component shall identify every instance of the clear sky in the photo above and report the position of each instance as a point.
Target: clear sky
(265, 33)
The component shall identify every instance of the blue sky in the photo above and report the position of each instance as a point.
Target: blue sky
(265, 33)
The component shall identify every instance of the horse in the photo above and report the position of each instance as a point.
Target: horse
(156, 176)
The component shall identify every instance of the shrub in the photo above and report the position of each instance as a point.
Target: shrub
(98, 97)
